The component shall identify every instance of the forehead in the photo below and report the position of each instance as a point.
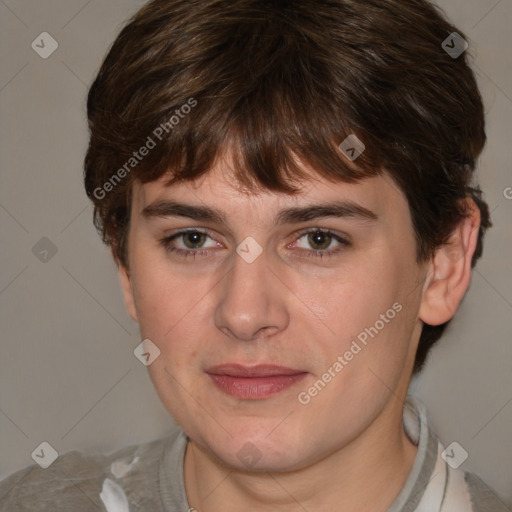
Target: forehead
(219, 189)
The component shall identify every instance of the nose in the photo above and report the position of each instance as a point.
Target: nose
(251, 304)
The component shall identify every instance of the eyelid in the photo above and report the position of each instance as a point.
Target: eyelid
(183, 231)
(166, 240)
(344, 237)
(343, 241)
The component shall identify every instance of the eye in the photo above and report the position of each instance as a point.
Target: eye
(188, 243)
(320, 243)
(315, 243)
(192, 239)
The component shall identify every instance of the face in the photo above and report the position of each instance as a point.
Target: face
(283, 321)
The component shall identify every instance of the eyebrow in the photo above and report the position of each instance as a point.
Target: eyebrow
(167, 208)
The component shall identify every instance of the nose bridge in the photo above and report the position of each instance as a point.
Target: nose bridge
(250, 302)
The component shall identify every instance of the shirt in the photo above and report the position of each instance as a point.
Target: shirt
(149, 478)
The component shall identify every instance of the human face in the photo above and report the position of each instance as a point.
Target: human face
(299, 306)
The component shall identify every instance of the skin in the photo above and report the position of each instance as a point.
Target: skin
(346, 449)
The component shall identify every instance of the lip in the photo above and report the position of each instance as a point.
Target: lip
(260, 370)
(254, 382)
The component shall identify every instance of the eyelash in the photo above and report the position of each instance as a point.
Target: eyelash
(193, 253)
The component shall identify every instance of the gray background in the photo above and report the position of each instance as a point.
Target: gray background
(68, 374)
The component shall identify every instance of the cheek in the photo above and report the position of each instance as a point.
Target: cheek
(356, 298)
(371, 310)
(165, 299)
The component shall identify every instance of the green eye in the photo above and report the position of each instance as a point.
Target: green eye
(316, 243)
(188, 243)
(193, 238)
(319, 243)
(319, 240)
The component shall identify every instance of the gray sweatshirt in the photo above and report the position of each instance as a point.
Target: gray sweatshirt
(149, 478)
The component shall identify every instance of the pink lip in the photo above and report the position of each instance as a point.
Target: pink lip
(254, 382)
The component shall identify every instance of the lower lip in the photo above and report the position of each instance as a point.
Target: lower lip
(255, 388)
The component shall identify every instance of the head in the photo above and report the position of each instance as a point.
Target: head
(235, 119)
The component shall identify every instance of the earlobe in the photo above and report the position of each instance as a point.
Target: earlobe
(127, 290)
(450, 271)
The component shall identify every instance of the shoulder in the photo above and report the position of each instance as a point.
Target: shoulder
(466, 492)
(72, 482)
(483, 498)
(75, 480)
(436, 482)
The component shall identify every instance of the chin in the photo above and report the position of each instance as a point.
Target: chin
(253, 459)
(252, 449)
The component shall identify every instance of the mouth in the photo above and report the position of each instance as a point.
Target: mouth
(254, 382)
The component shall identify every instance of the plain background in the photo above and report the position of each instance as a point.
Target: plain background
(68, 373)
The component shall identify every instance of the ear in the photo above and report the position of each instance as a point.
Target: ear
(127, 289)
(450, 271)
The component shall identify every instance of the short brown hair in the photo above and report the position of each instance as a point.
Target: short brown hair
(281, 80)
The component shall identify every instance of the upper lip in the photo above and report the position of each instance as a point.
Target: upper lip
(260, 370)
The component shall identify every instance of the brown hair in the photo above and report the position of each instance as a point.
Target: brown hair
(281, 80)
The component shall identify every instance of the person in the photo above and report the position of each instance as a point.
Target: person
(287, 190)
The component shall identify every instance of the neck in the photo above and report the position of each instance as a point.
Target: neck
(366, 474)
